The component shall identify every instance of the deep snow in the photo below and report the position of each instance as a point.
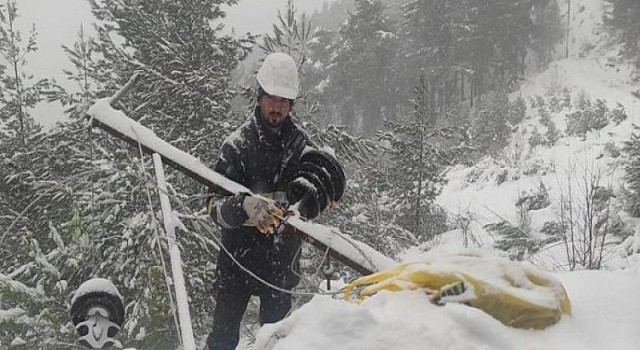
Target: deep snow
(606, 310)
(605, 315)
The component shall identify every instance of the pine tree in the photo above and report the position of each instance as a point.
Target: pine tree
(547, 31)
(419, 150)
(87, 76)
(54, 238)
(96, 197)
(290, 35)
(18, 92)
(185, 90)
(491, 127)
(184, 96)
(432, 29)
(622, 17)
(362, 81)
(22, 176)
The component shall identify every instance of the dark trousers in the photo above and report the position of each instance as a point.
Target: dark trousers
(230, 308)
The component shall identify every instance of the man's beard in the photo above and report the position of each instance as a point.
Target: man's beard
(274, 119)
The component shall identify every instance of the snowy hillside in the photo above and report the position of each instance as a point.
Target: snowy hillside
(606, 312)
(566, 171)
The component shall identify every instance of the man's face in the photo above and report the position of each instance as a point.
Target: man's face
(274, 109)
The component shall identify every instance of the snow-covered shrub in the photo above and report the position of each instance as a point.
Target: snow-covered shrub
(517, 111)
(611, 150)
(473, 175)
(553, 230)
(577, 124)
(593, 117)
(534, 200)
(583, 102)
(631, 151)
(538, 166)
(502, 176)
(537, 101)
(565, 100)
(536, 139)
(558, 99)
(599, 114)
(552, 134)
(618, 114)
(553, 101)
(514, 240)
(554, 104)
(516, 151)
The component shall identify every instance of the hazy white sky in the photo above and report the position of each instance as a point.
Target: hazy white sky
(58, 21)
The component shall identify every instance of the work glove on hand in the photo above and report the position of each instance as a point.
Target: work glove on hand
(262, 213)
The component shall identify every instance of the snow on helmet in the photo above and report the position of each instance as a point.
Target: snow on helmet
(278, 76)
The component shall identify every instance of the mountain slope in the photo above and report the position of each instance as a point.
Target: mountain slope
(605, 307)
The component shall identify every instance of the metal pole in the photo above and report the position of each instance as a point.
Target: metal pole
(176, 261)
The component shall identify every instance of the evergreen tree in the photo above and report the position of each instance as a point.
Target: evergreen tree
(362, 81)
(89, 75)
(100, 198)
(475, 45)
(185, 62)
(18, 91)
(25, 301)
(67, 230)
(315, 74)
(419, 150)
(432, 31)
(547, 30)
(622, 17)
(290, 35)
(493, 123)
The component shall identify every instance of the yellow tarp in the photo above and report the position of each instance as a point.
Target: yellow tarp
(517, 295)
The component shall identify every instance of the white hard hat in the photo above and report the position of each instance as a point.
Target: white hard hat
(278, 76)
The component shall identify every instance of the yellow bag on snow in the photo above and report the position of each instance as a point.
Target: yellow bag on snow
(516, 295)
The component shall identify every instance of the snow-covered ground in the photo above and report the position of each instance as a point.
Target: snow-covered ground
(606, 315)
(606, 309)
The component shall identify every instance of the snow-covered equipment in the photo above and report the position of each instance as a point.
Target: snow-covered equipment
(516, 295)
(278, 76)
(97, 312)
(318, 182)
(186, 330)
(350, 252)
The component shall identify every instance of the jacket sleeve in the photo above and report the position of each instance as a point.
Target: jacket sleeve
(226, 210)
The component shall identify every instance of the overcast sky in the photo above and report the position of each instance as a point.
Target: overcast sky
(58, 21)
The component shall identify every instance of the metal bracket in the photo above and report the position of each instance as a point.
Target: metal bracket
(97, 331)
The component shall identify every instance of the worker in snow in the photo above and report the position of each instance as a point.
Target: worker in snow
(264, 155)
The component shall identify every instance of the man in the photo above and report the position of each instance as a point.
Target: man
(263, 155)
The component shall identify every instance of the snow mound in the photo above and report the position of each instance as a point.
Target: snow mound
(604, 316)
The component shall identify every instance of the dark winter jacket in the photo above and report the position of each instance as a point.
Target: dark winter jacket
(262, 160)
